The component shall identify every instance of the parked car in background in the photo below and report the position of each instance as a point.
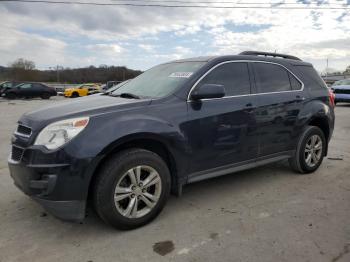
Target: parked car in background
(82, 90)
(115, 87)
(109, 84)
(8, 85)
(341, 89)
(28, 90)
(177, 123)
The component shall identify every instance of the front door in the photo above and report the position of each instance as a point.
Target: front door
(25, 90)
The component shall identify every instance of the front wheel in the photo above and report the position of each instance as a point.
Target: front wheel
(11, 95)
(132, 188)
(310, 151)
(74, 95)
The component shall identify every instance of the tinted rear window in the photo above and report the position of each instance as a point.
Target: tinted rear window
(311, 78)
(271, 78)
(296, 85)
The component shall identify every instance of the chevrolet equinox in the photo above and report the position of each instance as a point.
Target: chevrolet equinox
(177, 123)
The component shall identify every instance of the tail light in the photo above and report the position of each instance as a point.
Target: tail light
(331, 97)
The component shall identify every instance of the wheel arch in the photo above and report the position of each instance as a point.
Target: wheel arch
(322, 123)
(146, 141)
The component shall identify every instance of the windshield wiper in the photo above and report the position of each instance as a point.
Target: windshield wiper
(126, 95)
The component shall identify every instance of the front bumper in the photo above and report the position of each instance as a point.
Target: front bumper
(58, 180)
(42, 183)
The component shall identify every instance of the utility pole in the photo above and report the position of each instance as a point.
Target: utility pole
(58, 68)
(327, 68)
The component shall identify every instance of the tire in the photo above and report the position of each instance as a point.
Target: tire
(303, 160)
(45, 95)
(115, 172)
(74, 95)
(11, 95)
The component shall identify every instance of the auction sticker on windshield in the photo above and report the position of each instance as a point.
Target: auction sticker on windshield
(181, 74)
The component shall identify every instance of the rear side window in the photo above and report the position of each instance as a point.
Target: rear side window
(38, 86)
(311, 78)
(296, 85)
(233, 76)
(271, 78)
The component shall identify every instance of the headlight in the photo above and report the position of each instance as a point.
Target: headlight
(59, 133)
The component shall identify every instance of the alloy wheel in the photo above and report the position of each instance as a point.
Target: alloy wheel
(313, 150)
(137, 191)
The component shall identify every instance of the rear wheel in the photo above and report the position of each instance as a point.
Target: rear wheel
(310, 151)
(74, 95)
(132, 188)
(45, 95)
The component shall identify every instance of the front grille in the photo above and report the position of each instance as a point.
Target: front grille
(16, 153)
(342, 91)
(23, 130)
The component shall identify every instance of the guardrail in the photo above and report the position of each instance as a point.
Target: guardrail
(61, 87)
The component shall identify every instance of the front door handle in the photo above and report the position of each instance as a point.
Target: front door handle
(249, 108)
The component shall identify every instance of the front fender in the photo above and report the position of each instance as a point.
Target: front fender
(105, 134)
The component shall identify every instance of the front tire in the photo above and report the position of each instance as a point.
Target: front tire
(132, 188)
(11, 95)
(74, 95)
(310, 151)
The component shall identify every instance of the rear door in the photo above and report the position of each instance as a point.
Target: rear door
(38, 89)
(279, 102)
(222, 131)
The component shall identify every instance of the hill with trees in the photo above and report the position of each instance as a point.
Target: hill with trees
(24, 70)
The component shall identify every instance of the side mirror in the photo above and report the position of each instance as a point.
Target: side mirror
(208, 91)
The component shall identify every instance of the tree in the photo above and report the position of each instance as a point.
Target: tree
(23, 70)
(347, 70)
(23, 64)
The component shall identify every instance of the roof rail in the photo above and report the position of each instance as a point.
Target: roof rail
(257, 53)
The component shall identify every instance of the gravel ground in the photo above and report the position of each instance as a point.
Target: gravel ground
(264, 214)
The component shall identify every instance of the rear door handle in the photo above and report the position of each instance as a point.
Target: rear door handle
(299, 98)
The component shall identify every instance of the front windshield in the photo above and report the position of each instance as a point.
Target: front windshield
(160, 80)
(342, 82)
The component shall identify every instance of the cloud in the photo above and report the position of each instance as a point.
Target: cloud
(76, 35)
(148, 48)
(15, 44)
(106, 49)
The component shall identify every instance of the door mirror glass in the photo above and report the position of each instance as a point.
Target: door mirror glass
(208, 91)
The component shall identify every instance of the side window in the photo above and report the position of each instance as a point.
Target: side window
(38, 86)
(271, 78)
(233, 76)
(25, 86)
(296, 85)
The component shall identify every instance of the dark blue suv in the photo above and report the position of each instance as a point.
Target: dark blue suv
(175, 124)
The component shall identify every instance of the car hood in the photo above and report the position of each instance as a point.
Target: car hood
(85, 106)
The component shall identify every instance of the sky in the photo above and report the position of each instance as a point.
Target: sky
(141, 37)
